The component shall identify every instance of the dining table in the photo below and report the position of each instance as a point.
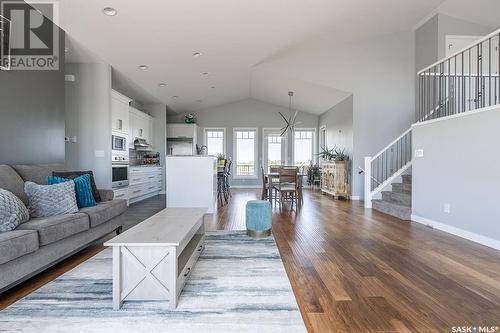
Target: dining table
(272, 178)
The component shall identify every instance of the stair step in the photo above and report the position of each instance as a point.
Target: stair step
(406, 179)
(401, 188)
(393, 209)
(403, 199)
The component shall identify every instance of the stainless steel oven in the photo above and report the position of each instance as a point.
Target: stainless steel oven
(119, 143)
(120, 174)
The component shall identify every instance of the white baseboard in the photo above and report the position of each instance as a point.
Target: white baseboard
(483, 240)
(355, 198)
(163, 192)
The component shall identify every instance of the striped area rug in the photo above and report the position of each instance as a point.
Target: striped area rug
(238, 285)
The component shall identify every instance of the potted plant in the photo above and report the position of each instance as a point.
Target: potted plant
(190, 118)
(326, 154)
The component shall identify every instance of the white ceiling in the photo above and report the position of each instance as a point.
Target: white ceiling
(234, 36)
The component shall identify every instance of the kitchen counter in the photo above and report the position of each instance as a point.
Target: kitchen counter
(192, 182)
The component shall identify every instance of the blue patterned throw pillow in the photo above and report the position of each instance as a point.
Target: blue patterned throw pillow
(83, 189)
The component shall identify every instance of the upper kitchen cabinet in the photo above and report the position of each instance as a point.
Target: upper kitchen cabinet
(181, 131)
(141, 126)
(120, 112)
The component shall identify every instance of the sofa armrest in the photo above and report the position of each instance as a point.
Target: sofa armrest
(106, 195)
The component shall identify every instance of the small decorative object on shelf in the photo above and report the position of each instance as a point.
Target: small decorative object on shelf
(335, 172)
(190, 118)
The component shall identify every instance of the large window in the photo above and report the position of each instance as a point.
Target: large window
(303, 147)
(245, 152)
(215, 140)
(274, 152)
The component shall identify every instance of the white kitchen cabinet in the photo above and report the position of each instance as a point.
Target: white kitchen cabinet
(120, 112)
(179, 131)
(144, 182)
(141, 126)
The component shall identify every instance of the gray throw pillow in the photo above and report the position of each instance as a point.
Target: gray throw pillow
(51, 200)
(12, 211)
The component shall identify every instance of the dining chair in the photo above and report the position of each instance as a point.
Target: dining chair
(273, 181)
(287, 186)
(227, 173)
(265, 185)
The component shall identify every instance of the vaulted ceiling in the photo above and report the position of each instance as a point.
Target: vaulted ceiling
(233, 36)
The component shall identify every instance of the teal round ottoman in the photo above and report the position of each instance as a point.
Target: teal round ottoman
(258, 218)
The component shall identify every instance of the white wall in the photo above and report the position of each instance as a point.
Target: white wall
(459, 167)
(378, 71)
(88, 117)
(248, 113)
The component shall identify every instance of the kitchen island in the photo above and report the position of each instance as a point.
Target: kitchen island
(192, 182)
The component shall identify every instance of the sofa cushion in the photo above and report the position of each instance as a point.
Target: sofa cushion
(37, 173)
(75, 174)
(54, 228)
(13, 212)
(51, 200)
(11, 181)
(104, 211)
(16, 243)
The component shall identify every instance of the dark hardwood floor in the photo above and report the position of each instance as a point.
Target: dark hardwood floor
(354, 270)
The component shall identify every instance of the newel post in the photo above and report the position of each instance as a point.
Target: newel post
(368, 177)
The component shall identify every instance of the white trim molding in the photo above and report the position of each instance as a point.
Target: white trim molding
(495, 107)
(216, 129)
(235, 175)
(480, 239)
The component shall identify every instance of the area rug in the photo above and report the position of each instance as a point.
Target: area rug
(238, 285)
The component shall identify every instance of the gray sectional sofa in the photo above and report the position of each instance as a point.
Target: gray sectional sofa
(41, 242)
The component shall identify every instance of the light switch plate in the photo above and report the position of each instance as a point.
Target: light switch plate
(419, 153)
(447, 208)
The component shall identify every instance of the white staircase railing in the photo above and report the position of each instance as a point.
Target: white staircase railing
(388, 164)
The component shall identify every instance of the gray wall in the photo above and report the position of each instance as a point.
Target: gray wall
(88, 117)
(339, 125)
(248, 113)
(453, 26)
(426, 43)
(32, 115)
(460, 167)
(430, 38)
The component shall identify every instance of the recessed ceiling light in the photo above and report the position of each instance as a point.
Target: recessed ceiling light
(162, 84)
(196, 54)
(205, 73)
(143, 67)
(212, 87)
(199, 100)
(175, 96)
(110, 11)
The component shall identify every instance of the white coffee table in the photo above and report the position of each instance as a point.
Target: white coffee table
(152, 260)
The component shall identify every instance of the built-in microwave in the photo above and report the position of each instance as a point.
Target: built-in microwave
(118, 143)
(119, 174)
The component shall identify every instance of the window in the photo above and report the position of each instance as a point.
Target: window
(274, 151)
(303, 147)
(215, 139)
(245, 152)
